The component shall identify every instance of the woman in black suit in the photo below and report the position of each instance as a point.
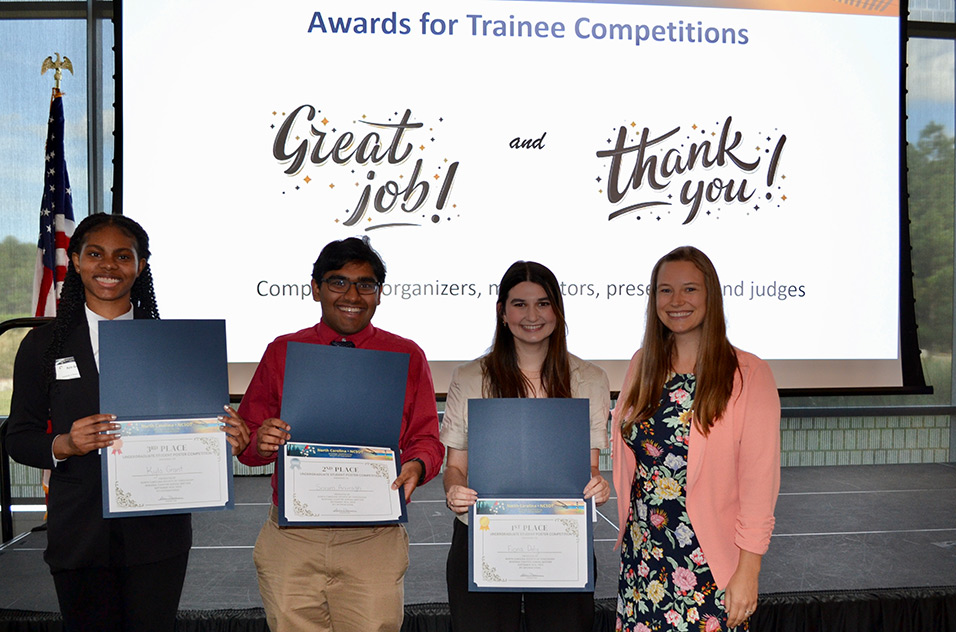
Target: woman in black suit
(117, 573)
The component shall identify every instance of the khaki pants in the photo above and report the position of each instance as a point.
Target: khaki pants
(346, 579)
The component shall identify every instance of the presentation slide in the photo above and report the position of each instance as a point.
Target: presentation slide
(461, 136)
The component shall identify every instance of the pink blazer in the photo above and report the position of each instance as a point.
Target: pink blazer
(733, 474)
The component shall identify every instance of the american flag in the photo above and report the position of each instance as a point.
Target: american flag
(56, 217)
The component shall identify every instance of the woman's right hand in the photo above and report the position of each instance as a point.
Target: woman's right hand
(86, 435)
(272, 434)
(459, 498)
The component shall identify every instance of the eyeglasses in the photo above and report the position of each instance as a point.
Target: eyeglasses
(340, 285)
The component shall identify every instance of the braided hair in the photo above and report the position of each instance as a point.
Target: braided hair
(73, 294)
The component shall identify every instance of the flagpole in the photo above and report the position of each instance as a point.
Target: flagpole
(56, 206)
(56, 211)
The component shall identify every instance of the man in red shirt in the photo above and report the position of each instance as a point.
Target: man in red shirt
(341, 578)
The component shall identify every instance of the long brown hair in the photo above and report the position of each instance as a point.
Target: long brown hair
(716, 359)
(502, 377)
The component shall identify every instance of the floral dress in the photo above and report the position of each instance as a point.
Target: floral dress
(666, 584)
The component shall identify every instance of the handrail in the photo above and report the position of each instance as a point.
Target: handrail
(15, 323)
(6, 494)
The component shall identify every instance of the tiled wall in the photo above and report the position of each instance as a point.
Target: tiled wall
(25, 481)
(864, 440)
(859, 441)
(932, 11)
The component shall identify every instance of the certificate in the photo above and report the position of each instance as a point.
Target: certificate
(536, 451)
(334, 484)
(167, 466)
(531, 545)
(348, 399)
(166, 381)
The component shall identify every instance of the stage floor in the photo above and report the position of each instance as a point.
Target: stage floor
(838, 529)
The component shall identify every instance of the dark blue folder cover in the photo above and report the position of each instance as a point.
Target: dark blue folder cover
(157, 369)
(163, 369)
(529, 448)
(344, 396)
(532, 448)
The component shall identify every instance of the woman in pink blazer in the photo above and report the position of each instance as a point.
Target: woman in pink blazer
(696, 445)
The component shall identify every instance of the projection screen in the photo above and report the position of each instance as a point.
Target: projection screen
(464, 135)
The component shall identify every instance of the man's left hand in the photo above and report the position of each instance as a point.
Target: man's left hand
(408, 478)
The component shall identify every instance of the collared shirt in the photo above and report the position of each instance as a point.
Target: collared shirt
(588, 381)
(92, 318)
(418, 438)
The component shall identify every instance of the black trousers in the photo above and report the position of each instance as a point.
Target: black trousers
(501, 612)
(142, 598)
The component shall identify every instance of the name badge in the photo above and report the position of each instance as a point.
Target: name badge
(66, 369)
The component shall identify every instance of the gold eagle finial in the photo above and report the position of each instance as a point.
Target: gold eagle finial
(57, 65)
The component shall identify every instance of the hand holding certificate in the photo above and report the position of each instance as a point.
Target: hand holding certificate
(530, 527)
(339, 465)
(165, 380)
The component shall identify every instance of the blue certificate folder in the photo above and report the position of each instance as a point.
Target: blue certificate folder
(529, 448)
(164, 369)
(342, 396)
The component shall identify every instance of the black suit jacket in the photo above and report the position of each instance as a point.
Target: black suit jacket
(78, 535)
